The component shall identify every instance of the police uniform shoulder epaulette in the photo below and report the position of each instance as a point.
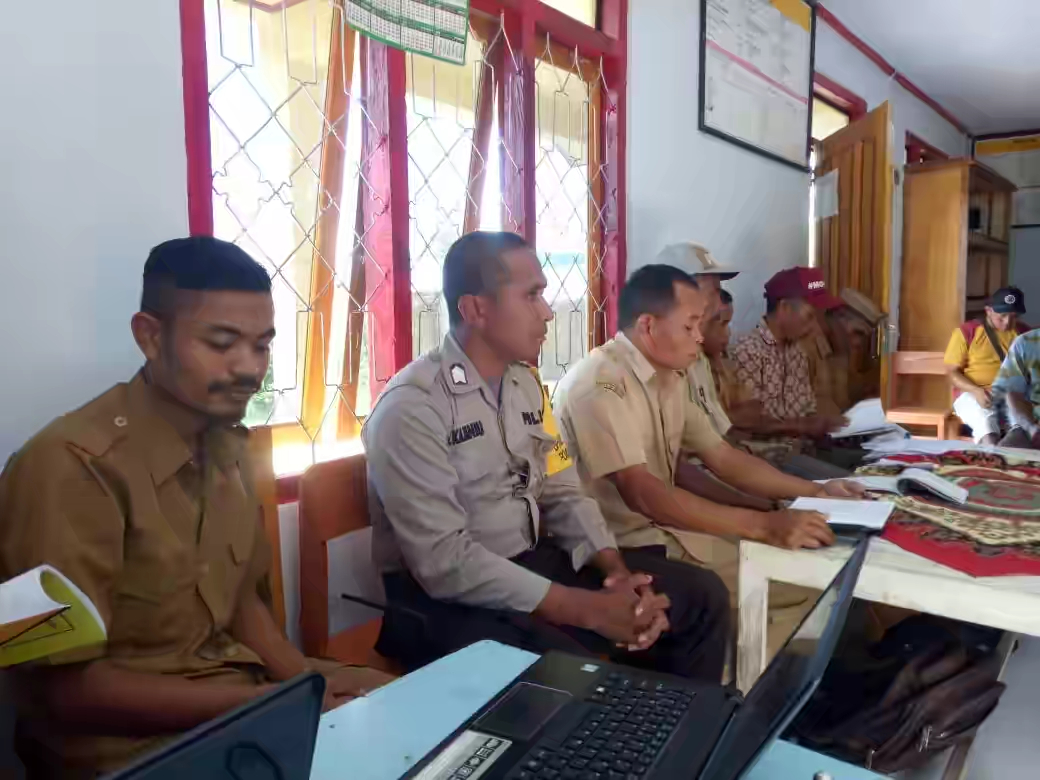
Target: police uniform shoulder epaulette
(421, 373)
(96, 427)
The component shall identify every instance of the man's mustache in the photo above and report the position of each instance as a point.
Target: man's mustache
(250, 384)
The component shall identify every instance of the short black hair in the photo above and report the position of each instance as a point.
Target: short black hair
(473, 266)
(650, 290)
(725, 297)
(197, 263)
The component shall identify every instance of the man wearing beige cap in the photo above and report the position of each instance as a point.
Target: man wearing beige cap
(709, 274)
(701, 264)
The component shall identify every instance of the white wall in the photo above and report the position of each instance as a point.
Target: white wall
(684, 185)
(1025, 269)
(750, 211)
(93, 165)
(842, 62)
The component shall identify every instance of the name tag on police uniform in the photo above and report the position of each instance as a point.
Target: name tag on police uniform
(465, 433)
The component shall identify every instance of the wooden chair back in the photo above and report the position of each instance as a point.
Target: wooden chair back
(333, 503)
(918, 363)
(930, 404)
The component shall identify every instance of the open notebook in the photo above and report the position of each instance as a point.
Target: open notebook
(912, 480)
(42, 613)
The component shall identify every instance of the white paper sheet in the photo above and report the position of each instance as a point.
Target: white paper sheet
(826, 189)
(871, 515)
(23, 597)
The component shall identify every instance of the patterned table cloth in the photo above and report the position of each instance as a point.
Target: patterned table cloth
(995, 533)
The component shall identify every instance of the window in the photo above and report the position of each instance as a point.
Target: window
(826, 119)
(569, 204)
(453, 170)
(582, 10)
(834, 108)
(300, 144)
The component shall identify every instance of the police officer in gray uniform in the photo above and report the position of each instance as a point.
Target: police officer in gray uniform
(480, 527)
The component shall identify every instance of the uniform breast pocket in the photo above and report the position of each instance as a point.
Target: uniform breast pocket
(156, 597)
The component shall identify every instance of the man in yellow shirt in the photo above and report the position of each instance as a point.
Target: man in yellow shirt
(973, 358)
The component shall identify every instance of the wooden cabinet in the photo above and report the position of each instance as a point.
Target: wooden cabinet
(955, 256)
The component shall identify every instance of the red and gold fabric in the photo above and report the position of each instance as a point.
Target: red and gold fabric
(995, 533)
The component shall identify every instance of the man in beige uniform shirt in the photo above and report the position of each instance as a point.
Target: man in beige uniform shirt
(627, 410)
(144, 499)
(479, 522)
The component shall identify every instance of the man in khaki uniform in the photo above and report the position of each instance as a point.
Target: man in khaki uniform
(479, 524)
(627, 410)
(143, 498)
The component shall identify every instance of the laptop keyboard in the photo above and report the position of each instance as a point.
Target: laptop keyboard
(627, 727)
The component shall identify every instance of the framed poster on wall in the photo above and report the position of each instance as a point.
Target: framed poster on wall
(756, 60)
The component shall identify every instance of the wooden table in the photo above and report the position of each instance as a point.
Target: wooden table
(890, 576)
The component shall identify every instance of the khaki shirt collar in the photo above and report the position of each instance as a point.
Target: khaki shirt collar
(641, 367)
(165, 427)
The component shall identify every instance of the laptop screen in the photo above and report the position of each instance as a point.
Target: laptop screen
(789, 680)
(270, 738)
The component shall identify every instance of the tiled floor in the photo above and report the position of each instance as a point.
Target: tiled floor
(1008, 747)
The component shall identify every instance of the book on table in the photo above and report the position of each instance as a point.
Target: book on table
(911, 481)
(849, 513)
(914, 480)
(42, 613)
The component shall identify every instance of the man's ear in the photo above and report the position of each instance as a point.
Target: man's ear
(474, 310)
(644, 325)
(147, 330)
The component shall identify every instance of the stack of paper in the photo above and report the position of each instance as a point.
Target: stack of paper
(870, 515)
(884, 446)
(867, 418)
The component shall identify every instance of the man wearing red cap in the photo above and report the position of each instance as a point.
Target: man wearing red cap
(771, 362)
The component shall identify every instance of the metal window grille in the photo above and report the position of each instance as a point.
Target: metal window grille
(348, 168)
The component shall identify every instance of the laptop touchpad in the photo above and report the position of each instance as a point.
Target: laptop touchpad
(522, 711)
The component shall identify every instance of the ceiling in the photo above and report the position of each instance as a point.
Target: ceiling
(979, 59)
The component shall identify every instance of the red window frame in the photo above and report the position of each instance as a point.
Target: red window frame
(526, 23)
(836, 96)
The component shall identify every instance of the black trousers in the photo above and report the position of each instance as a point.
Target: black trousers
(418, 629)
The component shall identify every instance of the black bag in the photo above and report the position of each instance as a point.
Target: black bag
(928, 684)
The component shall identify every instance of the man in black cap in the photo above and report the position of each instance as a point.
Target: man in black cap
(973, 358)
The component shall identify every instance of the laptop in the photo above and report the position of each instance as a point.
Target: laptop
(573, 718)
(270, 738)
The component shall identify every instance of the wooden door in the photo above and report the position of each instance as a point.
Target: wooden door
(854, 244)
